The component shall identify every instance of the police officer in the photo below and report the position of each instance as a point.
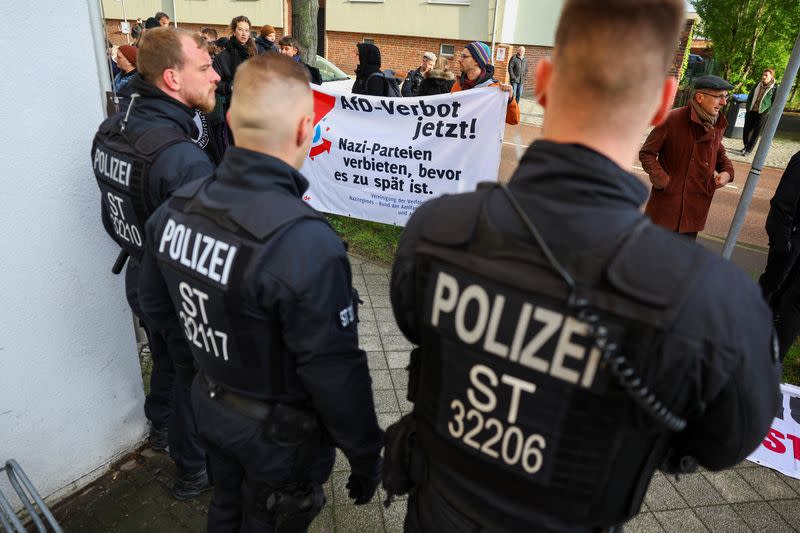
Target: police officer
(567, 346)
(261, 286)
(140, 156)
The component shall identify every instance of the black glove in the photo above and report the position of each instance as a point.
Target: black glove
(362, 488)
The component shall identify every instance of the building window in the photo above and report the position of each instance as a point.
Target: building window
(368, 41)
(447, 50)
(454, 2)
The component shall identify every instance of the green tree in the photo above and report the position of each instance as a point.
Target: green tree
(304, 27)
(749, 35)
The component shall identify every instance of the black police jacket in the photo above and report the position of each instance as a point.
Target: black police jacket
(716, 364)
(180, 163)
(289, 288)
(176, 165)
(784, 209)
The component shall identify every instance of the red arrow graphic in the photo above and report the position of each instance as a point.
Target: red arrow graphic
(320, 148)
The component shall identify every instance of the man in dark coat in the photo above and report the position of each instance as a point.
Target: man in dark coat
(518, 72)
(686, 160)
(415, 77)
(512, 296)
(281, 381)
(780, 281)
(759, 104)
(289, 46)
(168, 94)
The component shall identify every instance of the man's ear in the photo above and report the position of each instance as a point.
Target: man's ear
(171, 79)
(542, 77)
(304, 129)
(665, 104)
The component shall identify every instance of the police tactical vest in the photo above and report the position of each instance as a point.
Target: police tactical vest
(209, 255)
(121, 161)
(518, 414)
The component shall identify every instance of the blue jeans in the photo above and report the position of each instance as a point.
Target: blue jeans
(517, 88)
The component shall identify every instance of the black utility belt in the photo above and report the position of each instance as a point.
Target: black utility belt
(284, 424)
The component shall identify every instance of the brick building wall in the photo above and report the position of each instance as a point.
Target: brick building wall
(402, 53)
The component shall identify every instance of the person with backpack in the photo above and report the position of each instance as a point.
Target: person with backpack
(369, 78)
(477, 71)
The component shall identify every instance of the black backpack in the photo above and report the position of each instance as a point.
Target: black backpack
(391, 87)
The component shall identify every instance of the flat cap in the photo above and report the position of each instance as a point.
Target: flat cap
(715, 83)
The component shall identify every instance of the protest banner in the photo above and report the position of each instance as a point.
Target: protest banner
(378, 158)
(780, 449)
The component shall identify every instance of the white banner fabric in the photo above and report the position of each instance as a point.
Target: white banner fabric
(780, 449)
(378, 158)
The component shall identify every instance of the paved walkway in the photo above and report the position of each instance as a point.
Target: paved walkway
(135, 497)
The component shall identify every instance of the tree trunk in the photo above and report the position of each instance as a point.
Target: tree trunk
(758, 32)
(304, 27)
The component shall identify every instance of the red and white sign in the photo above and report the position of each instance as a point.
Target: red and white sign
(780, 449)
(378, 158)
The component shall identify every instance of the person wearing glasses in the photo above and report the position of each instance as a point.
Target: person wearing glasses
(477, 71)
(686, 161)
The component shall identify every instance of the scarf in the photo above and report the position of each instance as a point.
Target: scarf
(242, 50)
(466, 83)
(707, 120)
(761, 91)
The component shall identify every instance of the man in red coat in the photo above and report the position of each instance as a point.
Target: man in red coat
(686, 161)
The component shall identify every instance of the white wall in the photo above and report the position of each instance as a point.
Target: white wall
(71, 395)
(531, 23)
(412, 17)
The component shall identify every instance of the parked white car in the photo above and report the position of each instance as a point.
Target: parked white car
(333, 77)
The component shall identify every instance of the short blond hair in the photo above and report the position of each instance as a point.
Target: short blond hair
(617, 48)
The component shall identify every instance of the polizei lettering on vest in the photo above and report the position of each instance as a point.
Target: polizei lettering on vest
(569, 361)
(112, 167)
(204, 254)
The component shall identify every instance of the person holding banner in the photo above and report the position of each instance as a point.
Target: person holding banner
(281, 378)
(476, 71)
(567, 346)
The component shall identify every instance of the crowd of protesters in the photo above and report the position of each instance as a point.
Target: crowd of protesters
(297, 383)
(683, 184)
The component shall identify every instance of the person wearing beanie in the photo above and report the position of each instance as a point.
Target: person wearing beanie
(266, 40)
(477, 71)
(126, 61)
(151, 23)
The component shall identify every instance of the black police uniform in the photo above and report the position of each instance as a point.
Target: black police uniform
(137, 169)
(780, 281)
(544, 400)
(262, 287)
